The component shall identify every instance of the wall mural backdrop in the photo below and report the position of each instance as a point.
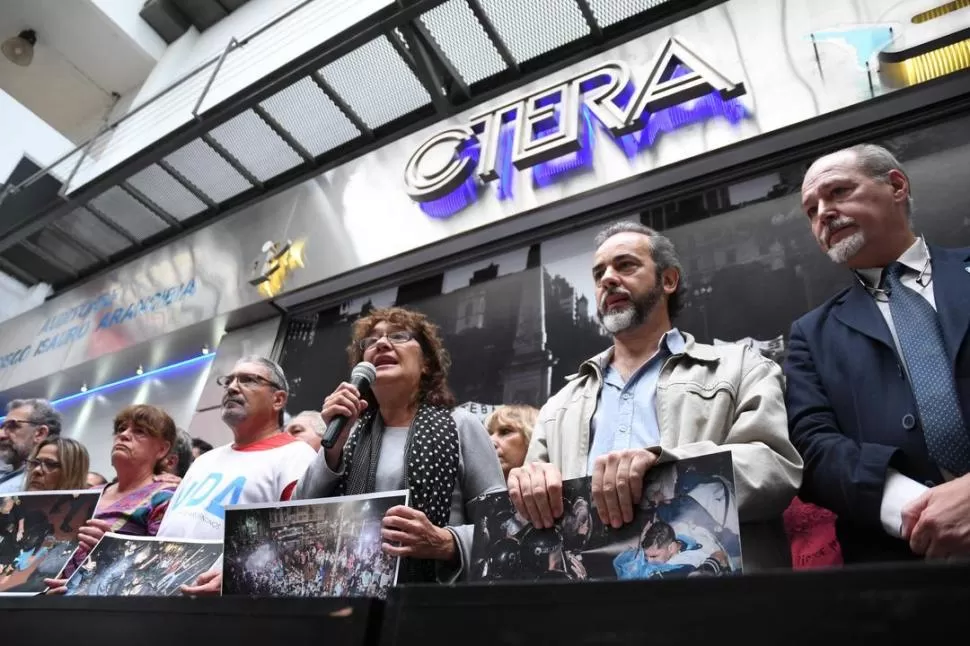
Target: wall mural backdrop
(517, 324)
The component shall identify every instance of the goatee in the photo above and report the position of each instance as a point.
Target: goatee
(631, 315)
(843, 250)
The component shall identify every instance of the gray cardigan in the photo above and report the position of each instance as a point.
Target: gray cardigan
(479, 472)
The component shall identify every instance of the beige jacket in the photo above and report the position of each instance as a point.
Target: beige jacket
(709, 398)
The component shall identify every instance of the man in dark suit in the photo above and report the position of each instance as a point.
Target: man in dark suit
(878, 377)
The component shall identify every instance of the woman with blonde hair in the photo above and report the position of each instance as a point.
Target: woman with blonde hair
(510, 428)
(58, 464)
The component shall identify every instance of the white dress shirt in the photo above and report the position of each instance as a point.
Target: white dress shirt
(900, 490)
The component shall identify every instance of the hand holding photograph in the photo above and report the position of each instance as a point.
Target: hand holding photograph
(38, 536)
(685, 525)
(329, 547)
(142, 566)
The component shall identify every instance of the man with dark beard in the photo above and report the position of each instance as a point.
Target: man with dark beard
(657, 395)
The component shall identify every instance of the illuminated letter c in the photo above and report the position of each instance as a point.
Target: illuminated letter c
(424, 187)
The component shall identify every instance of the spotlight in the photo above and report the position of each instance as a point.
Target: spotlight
(84, 388)
(205, 349)
(140, 370)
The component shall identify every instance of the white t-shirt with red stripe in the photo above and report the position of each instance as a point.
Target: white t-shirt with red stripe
(262, 472)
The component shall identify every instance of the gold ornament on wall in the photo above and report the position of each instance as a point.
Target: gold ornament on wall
(277, 261)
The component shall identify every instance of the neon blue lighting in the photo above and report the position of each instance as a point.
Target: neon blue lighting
(675, 117)
(551, 171)
(679, 116)
(445, 207)
(202, 358)
(678, 71)
(503, 160)
(702, 109)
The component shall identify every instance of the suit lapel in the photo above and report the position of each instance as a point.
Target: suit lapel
(951, 290)
(859, 311)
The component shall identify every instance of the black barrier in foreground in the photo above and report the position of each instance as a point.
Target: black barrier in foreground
(907, 604)
(180, 621)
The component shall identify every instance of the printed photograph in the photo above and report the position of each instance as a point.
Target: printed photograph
(685, 525)
(142, 566)
(38, 536)
(310, 548)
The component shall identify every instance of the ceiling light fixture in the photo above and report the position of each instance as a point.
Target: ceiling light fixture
(19, 50)
(205, 349)
(140, 370)
(84, 388)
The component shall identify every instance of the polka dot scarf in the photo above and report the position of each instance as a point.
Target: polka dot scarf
(431, 456)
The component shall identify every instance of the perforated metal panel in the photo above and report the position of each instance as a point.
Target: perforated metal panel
(608, 12)
(311, 117)
(34, 265)
(55, 246)
(376, 83)
(170, 110)
(165, 191)
(533, 27)
(207, 171)
(84, 226)
(260, 150)
(128, 213)
(463, 40)
(325, 115)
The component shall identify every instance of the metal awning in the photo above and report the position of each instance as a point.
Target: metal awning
(219, 138)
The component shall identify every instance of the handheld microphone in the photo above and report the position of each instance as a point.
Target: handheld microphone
(361, 378)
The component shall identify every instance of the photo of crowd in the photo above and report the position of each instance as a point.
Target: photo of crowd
(325, 548)
(141, 566)
(38, 535)
(685, 525)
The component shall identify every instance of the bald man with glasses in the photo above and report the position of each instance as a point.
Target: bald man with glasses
(262, 464)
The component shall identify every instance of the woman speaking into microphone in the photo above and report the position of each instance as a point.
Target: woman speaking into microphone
(407, 434)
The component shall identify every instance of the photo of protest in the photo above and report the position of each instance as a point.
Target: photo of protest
(685, 525)
(311, 548)
(38, 535)
(141, 566)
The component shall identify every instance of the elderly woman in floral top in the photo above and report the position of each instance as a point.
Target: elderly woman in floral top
(136, 502)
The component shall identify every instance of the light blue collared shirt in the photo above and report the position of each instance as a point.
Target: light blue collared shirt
(626, 414)
(13, 481)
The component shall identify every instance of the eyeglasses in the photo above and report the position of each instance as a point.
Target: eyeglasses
(46, 464)
(11, 425)
(397, 338)
(246, 380)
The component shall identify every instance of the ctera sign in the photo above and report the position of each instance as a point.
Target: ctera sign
(543, 129)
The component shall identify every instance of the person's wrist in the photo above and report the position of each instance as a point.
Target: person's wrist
(447, 549)
(332, 456)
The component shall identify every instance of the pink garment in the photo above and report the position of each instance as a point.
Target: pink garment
(811, 534)
(138, 513)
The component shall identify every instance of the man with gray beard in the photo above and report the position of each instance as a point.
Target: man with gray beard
(657, 395)
(879, 376)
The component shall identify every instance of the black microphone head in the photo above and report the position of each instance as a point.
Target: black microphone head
(364, 371)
